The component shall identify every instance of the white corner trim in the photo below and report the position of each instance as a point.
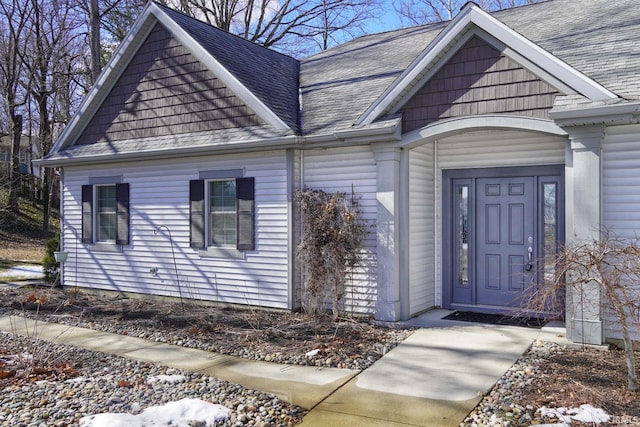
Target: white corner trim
(452, 126)
(221, 72)
(107, 78)
(512, 40)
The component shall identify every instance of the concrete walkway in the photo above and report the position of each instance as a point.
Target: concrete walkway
(434, 378)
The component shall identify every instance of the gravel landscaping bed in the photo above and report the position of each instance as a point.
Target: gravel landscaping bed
(63, 384)
(548, 375)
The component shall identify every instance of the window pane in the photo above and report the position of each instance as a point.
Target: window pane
(106, 213)
(222, 212)
(106, 227)
(550, 225)
(462, 226)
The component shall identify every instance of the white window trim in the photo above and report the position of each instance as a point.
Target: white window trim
(218, 251)
(105, 246)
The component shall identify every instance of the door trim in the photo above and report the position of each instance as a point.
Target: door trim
(447, 209)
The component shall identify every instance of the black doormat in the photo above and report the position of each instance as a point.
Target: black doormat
(496, 319)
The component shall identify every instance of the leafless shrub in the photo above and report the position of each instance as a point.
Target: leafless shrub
(331, 244)
(37, 358)
(611, 266)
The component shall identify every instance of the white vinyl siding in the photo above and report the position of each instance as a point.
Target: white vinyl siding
(621, 180)
(491, 149)
(159, 196)
(422, 289)
(350, 169)
(621, 193)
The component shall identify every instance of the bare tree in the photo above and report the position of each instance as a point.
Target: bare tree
(604, 272)
(417, 12)
(118, 16)
(14, 23)
(94, 39)
(54, 27)
(292, 26)
(95, 13)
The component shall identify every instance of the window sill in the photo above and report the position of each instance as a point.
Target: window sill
(221, 252)
(105, 247)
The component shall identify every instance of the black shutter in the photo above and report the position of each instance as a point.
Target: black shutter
(87, 214)
(196, 213)
(122, 214)
(246, 216)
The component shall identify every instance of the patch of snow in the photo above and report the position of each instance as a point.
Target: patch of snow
(585, 413)
(171, 379)
(180, 414)
(25, 271)
(559, 413)
(312, 353)
(589, 414)
(77, 380)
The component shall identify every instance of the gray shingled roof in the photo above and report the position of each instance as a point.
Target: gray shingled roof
(271, 76)
(338, 85)
(600, 38)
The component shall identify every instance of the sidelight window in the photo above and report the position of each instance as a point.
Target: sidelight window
(462, 234)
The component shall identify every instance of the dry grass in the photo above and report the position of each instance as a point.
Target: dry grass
(21, 233)
(29, 251)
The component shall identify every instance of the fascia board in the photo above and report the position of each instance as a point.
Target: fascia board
(514, 42)
(292, 141)
(221, 72)
(107, 78)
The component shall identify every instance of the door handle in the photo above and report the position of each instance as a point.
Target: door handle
(529, 265)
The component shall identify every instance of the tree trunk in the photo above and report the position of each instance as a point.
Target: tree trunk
(46, 199)
(632, 378)
(45, 138)
(94, 25)
(14, 173)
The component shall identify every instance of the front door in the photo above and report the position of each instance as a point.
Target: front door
(500, 225)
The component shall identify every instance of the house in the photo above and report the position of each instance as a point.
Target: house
(30, 185)
(25, 155)
(474, 144)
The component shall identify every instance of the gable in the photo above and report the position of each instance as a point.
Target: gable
(166, 90)
(478, 79)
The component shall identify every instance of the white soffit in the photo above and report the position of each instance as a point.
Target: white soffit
(527, 53)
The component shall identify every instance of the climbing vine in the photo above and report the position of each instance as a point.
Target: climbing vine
(331, 243)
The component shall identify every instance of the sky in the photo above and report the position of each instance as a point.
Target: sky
(388, 21)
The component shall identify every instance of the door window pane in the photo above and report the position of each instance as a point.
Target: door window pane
(462, 234)
(550, 228)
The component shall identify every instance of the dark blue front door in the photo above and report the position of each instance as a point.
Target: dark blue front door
(501, 225)
(505, 231)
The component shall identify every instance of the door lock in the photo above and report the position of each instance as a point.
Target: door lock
(529, 265)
